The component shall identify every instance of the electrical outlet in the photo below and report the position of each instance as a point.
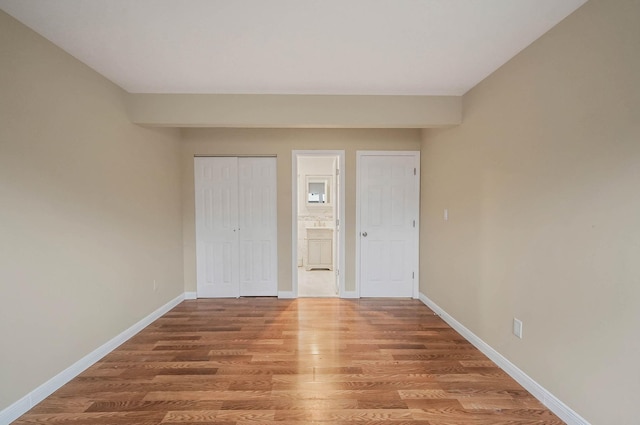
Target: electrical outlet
(517, 327)
(155, 285)
(445, 215)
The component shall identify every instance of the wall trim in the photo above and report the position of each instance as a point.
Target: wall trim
(23, 405)
(554, 404)
(286, 294)
(190, 295)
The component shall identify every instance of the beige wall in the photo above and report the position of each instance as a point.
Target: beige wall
(281, 142)
(90, 212)
(542, 183)
(293, 111)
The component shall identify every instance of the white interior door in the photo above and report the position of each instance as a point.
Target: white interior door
(236, 252)
(216, 196)
(388, 214)
(257, 224)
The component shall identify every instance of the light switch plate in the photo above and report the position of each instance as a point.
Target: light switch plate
(517, 327)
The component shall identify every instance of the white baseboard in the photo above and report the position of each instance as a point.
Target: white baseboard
(190, 295)
(14, 411)
(349, 294)
(20, 407)
(554, 404)
(24, 404)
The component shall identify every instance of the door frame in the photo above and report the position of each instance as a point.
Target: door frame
(340, 215)
(416, 236)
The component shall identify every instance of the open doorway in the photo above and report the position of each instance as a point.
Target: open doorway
(317, 211)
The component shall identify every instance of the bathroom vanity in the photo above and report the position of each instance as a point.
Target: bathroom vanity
(319, 248)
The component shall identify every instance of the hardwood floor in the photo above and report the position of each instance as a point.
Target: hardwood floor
(293, 362)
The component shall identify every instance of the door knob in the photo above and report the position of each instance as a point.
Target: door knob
(364, 234)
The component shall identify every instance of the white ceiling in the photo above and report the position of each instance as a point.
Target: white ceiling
(406, 47)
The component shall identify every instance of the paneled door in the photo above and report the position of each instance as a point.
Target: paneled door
(388, 208)
(257, 226)
(235, 200)
(216, 196)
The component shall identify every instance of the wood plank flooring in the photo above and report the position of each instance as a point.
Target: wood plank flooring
(293, 362)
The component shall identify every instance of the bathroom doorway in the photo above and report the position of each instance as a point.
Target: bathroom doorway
(318, 240)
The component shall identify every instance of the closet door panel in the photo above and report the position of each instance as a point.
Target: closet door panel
(257, 223)
(216, 205)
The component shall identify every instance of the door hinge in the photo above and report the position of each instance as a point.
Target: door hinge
(337, 222)
(337, 171)
(414, 223)
(413, 275)
(415, 171)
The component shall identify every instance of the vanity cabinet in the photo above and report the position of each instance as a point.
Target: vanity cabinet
(319, 248)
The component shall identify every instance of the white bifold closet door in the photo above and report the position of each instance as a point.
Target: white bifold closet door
(236, 250)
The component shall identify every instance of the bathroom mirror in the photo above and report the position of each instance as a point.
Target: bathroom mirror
(318, 190)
